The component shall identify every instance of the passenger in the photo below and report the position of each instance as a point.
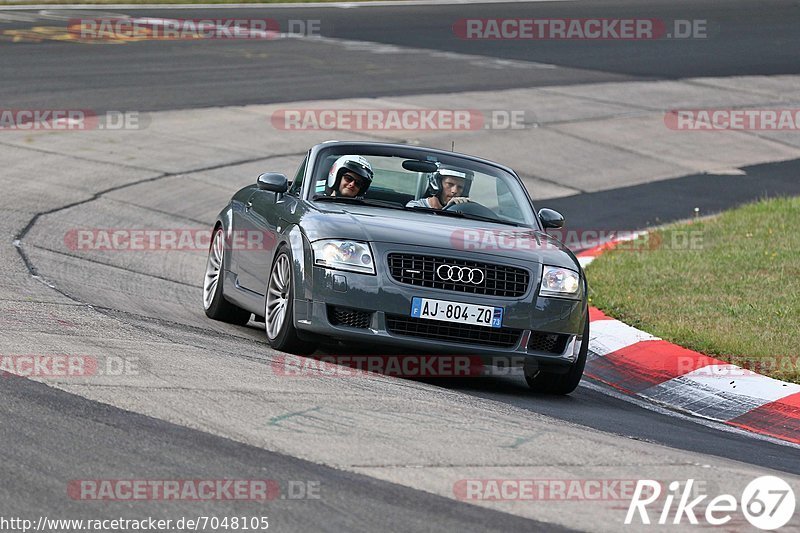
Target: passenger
(350, 176)
(446, 187)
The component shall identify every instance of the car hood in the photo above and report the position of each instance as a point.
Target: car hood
(366, 223)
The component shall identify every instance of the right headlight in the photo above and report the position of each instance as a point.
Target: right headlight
(558, 281)
(354, 256)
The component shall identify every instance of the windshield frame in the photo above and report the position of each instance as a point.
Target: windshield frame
(324, 150)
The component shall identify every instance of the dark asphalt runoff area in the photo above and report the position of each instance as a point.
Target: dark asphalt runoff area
(655, 203)
(47, 435)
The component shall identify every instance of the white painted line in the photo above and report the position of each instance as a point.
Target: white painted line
(608, 336)
(244, 33)
(663, 409)
(735, 380)
(18, 17)
(55, 14)
(727, 172)
(587, 259)
(382, 48)
(697, 398)
(316, 5)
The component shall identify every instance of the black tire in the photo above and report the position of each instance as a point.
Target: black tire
(563, 383)
(214, 302)
(284, 336)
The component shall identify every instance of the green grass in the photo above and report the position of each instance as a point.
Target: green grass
(734, 294)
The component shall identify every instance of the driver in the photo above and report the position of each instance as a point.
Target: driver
(446, 187)
(350, 176)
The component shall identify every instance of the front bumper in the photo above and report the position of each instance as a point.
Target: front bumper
(386, 301)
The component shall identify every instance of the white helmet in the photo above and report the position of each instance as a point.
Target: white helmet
(353, 163)
(435, 180)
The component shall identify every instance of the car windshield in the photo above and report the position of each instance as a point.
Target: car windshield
(491, 193)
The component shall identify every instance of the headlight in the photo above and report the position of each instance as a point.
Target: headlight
(557, 281)
(344, 255)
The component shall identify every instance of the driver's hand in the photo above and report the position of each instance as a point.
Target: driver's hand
(457, 200)
(434, 202)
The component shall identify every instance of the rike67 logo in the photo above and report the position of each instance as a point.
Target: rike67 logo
(767, 502)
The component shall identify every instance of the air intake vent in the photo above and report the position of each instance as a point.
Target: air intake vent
(453, 332)
(352, 318)
(548, 342)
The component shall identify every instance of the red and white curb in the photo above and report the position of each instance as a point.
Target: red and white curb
(642, 365)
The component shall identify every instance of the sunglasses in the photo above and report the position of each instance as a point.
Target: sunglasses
(349, 178)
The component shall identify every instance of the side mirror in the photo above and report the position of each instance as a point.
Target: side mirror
(272, 181)
(551, 219)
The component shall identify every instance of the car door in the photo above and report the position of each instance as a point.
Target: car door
(265, 215)
(254, 240)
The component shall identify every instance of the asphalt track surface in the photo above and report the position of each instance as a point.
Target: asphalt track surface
(47, 435)
(744, 37)
(57, 434)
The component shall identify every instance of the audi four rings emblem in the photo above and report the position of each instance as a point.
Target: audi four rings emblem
(459, 273)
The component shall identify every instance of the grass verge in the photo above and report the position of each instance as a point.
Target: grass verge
(728, 286)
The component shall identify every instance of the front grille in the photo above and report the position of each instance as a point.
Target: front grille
(547, 342)
(344, 316)
(451, 331)
(420, 270)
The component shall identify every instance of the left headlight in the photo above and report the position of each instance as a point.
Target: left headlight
(557, 281)
(344, 255)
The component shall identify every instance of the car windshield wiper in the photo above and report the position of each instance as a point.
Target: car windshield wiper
(356, 200)
(350, 200)
(470, 216)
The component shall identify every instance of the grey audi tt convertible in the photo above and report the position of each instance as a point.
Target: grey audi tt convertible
(408, 247)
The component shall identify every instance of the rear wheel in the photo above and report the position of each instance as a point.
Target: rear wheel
(214, 303)
(279, 308)
(563, 383)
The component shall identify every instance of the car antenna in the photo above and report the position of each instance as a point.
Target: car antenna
(452, 146)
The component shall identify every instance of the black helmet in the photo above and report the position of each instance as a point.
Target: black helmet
(353, 163)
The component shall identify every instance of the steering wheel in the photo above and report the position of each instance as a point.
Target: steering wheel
(471, 208)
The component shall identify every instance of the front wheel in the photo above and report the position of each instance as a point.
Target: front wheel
(279, 309)
(214, 302)
(553, 383)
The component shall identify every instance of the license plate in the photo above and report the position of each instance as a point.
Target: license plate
(478, 315)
